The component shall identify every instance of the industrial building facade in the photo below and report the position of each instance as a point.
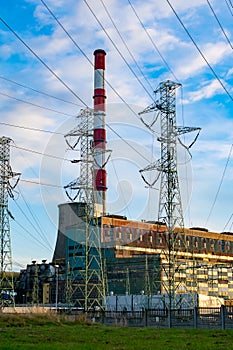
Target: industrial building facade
(132, 259)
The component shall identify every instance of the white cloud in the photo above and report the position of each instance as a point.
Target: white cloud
(207, 90)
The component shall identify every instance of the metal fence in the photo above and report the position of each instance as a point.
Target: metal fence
(221, 318)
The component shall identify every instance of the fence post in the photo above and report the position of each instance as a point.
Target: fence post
(169, 317)
(195, 313)
(145, 317)
(223, 314)
(102, 317)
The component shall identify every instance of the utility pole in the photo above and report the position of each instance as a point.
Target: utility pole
(170, 211)
(6, 188)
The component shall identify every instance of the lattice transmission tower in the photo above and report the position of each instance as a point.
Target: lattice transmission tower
(174, 266)
(6, 187)
(86, 275)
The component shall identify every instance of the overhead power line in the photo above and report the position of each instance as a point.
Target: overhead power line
(60, 24)
(35, 105)
(91, 63)
(200, 52)
(38, 230)
(220, 184)
(130, 68)
(38, 91)
(31, 235)
(40, 153)
(40, 183)
(31, 129)
(126, 46)
(42, 61)
(230, 8)
(152, 41)
(219, 23)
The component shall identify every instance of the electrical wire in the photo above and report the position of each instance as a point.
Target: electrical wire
(122, 192)
(220, 184)
(42, 61)
(152, 41)
(40, 153)
(125, 44)
(107, 82)
(200, 52)
(130, 68)
(35, 105)
(34, 238)
(40, 183)
(38, 91)
(39, 230)
(219, 23)
(229, 8)
(16, 263)
(60, 24)
(65, 159)
(31, 129)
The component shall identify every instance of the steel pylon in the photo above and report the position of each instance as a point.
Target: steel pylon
(85, 265)
(6, 174)
(170, 213)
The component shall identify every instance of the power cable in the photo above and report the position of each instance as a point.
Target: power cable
(16, 263)
(30, 234)
(225, 34)
(40, 183)
(38, 91)
(35, 105)
(40, 153)
(220, 184)
(122, 192)
(152, 41)
(44, 64)
(132, 71)
(91, 63)
(65, 83)
(31, 129)
(46, 188)
(200, 52)
(60, 24)
(65, 159)
(125, 44)
(39, 230)
(228, 222)
(133, 148)
(229, 8)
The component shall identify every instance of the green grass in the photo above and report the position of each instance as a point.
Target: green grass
(48, 333)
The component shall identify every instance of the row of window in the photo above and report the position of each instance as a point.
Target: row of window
(125, 235)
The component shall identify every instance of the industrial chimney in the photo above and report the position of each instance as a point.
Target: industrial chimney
(99, 142)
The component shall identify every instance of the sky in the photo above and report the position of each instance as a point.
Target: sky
(46, 78)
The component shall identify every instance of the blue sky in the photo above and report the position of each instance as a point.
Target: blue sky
(201, 102)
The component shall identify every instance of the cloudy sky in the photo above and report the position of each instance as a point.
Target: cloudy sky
(47, 77)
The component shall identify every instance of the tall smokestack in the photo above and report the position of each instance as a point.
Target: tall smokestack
(100, 187)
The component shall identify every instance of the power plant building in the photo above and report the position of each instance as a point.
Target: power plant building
(132, 254)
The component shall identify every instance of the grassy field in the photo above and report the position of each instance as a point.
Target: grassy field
(48, 333)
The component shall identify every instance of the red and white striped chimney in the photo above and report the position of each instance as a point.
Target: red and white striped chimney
(100, 187)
